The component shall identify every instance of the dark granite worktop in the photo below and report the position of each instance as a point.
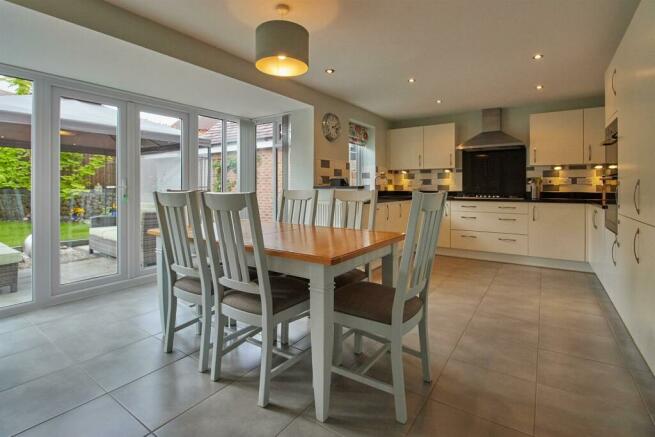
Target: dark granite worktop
(547, 197)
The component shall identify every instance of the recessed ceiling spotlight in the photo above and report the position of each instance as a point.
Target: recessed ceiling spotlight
(330, 70)
(438, 101)
(539, 87)
(411, 80)
(538, 56)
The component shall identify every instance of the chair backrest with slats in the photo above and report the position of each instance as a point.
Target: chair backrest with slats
(298, 207)
(226, 244)
(348, 209)
(419, 249)
(173, 224)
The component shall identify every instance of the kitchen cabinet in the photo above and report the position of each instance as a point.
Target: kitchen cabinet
(392, 216)
(439, 146)
(635, 103)
(425, 147)
(405, 148)
(557, 231)
(444, 229)
(593, 135)
(556, 137)
(595, 228)
(510, 244)
(610, 93)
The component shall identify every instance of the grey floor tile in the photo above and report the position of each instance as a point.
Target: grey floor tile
(162, 395)
(580, 344)
(303, 427)
(27, 365)
(501, 328)
(440, 420)
(517, 307)
(563, 413)
(99, 418)
(510, 358)
(41, 399)
(575, 320)
(124, 365)
(97, 340)
(20, 340)
(13, 323)
(582, 376)
(500, 398)
(645, 382)
(238, 362)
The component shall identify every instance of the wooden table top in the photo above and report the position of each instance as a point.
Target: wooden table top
(316, 244)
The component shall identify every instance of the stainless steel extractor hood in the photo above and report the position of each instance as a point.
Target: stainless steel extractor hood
(491, 137)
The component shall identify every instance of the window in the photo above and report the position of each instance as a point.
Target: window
(15, 190)
(218, 154)
(270, 166)
(358, 138)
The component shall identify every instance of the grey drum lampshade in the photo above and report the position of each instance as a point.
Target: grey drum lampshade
(282, 48)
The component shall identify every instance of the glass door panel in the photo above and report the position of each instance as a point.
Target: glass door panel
(210, 151)
(15, 191)
(266, 170)
(231, 156)
(160, 170)
(89, 225)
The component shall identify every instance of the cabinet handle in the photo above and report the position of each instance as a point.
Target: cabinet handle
(469, 206)
(615, 244)
(635, 197)
(509, 240)
(534, 213)
(469, 236)
(613, 89)
(589, 146)
(506, 219)
(387, 212)
(451, 159)
(400, 210)
(419, 160)
(634, 246)
(534, 155)
(593, 219)
(469, 217)
(506, 207)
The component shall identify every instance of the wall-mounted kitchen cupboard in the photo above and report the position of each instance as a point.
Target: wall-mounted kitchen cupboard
(567, 137)
(425, 147)
(634, 99)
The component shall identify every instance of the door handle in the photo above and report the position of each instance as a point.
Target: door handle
(419, 160)
(634, 246)
(613, 89)
(451, 159)
(387, 212)
(534, 213)
(593, 219)
(615, 244)
(634, 195)
(589, 146)
(534, 157)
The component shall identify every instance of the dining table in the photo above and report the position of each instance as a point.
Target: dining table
(317, 253)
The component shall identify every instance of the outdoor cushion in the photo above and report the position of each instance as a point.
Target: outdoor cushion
(372, 301)
(9, 255)
(105, 232)
(286, 292)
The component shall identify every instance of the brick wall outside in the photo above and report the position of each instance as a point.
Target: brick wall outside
(265, 184)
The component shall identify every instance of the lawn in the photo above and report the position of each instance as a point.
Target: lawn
(13, 233)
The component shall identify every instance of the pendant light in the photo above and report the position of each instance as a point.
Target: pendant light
(282, 47)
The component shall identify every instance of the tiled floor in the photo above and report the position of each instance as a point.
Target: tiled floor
(515, 351)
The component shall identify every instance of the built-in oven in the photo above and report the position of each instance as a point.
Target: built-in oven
(610, 177)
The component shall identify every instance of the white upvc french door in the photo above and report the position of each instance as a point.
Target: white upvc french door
(159, 161)
(89, 207)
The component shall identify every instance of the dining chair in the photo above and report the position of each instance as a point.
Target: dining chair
(384, 313)
(298, 207)
(190, 279)
(260, 302)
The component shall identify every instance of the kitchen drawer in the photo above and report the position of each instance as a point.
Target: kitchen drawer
(490, 206)
(489, 242)
(489, 222)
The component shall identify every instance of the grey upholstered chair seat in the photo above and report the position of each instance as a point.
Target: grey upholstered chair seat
(372, 301)
(285, 291)
(355, 275)
(192, 285)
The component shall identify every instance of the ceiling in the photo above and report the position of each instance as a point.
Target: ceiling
(471, 54)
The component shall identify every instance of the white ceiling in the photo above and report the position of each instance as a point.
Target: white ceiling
(471, 54)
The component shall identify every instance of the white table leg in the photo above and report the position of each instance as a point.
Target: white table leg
(390, 267)
(321, 288)
(162, 285)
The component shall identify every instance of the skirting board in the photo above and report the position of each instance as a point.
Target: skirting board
(517, 259)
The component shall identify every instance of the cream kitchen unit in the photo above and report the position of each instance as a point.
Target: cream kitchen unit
(567, 137)
(427, 147)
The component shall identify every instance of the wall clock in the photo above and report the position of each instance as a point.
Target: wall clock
(331, 126)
